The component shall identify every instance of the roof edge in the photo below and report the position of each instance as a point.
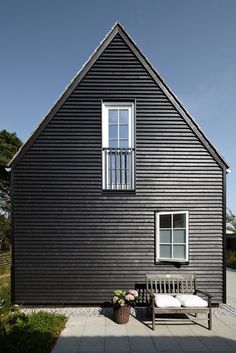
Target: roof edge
(64, 95)
(118, 28)
(175, 100)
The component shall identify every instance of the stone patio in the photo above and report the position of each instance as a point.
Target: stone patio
(92, 329)
(102, 335)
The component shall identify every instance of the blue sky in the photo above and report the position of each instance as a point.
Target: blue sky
(191, 43)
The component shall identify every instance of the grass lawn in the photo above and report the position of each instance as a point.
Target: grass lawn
(20, 333)
(33, 333)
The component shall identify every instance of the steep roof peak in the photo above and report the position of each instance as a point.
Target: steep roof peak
(118, 28)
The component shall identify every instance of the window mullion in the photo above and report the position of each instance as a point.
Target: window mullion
(106, 168)
(118, 131)
(116, 168)
(110, 176)
(172, 226)
(118, 127)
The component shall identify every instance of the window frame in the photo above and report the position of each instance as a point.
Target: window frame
(105, 136)
(105, 126)
(157, 219)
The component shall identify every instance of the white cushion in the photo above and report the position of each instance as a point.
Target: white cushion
(189, 300)
(166, 301)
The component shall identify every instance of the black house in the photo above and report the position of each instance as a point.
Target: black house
(118, 180)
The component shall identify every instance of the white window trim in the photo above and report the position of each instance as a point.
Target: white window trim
(160, 259)
(116, 105)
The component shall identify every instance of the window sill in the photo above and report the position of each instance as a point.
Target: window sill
(118, 192)
(172, 262)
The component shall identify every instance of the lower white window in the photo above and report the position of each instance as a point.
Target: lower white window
(172, 236)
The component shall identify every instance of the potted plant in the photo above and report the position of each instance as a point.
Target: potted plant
(122, 302)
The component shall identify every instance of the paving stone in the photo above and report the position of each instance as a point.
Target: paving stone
(92, 344)
(230, 321)
(221, 329)
(186, 339)
(210, 339)
(117, 344)
(66, 345)
(142, 344)
(164, 340)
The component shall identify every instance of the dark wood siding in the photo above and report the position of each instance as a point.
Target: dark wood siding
(75, 243)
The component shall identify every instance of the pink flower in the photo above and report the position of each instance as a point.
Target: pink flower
(133, 292)
(129, 297)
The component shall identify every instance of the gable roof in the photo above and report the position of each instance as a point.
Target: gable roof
(118, 29)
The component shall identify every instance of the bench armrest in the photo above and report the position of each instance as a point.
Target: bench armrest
(204, 292)
(150, 293)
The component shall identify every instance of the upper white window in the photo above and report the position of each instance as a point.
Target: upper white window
(172, 236)
(118, 146)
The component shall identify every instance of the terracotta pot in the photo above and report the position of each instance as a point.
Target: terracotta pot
(121, 313)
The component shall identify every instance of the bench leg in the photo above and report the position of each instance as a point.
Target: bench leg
(153, 320)
(210, 319)
(148, 312)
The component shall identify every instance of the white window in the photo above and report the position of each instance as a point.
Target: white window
(118, 146)
(172, 236)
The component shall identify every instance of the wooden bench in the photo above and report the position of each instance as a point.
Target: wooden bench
(175, 284)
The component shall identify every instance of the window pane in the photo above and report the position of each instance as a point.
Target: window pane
(165, 236)
(111, 176)
(179, 236)
(124, 143)
(113, 142)
(129, 178)
(124, 131)
(117, 172)
(165, 251)
(123, 161)
(113, 131)
(123, 115)
(165, 221)
(117, 155)
(124, 180)
(179, 251)
(113, 116)
(114, 176)
(129, 160)
(111, 161)
(179, 220)
(114, 160)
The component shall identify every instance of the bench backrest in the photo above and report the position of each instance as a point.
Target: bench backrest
(171, 283)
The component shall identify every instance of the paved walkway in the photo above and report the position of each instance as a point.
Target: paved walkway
(102, 335)
(90, 333)
(231, 287)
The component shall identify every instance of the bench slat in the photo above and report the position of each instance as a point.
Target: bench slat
(184, 283)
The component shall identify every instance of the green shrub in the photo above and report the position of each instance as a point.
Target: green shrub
(5, 295)
(34, 333)
(20, 333)
(47, 322)
(231, 259)
(5, 270)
